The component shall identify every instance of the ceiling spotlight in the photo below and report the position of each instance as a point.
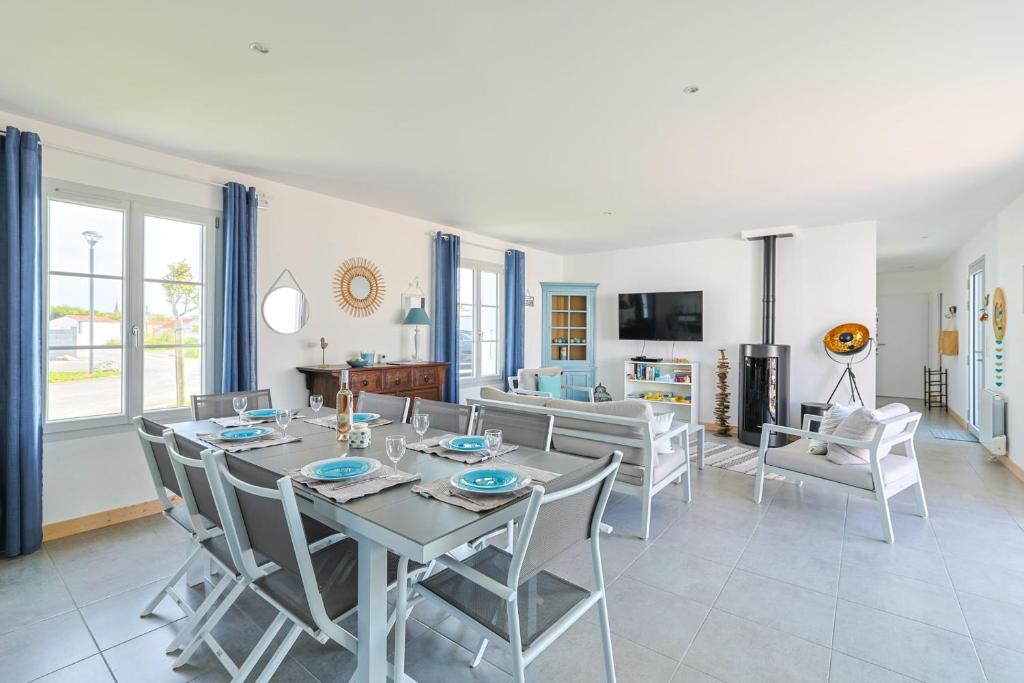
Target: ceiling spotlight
(259, 47)
(691, 89)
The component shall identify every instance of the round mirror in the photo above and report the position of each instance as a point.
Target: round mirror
(285, 310)
(360, 287)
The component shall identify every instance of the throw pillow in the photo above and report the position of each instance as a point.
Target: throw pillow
(550, 384)
(829, 421)
(661, 424)
(861, 425)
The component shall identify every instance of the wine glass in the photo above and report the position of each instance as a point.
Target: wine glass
(316, 402)
(240, 403)
(492, 437)
(420, 423)
(394, 446)
(284, 418)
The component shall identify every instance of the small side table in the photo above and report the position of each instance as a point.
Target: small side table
(812, 408)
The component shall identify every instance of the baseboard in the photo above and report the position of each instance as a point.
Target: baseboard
(98, 520)
(710, 427)
(1012, 466)
(956, 416)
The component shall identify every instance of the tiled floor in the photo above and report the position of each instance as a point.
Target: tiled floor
(800, 588)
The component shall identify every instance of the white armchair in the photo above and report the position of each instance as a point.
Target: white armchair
(525, 383)
(885, 474)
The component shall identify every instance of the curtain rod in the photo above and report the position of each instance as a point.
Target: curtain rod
(431, 234)
(127, 164)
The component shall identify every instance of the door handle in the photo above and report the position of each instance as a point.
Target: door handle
(135, 336)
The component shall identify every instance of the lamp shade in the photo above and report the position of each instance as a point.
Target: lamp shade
(416, 316)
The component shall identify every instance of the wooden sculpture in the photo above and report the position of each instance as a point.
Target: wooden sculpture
(722, 396)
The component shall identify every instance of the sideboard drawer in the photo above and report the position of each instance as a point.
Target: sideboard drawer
(367, 380)
(397, 379)
(424, 377)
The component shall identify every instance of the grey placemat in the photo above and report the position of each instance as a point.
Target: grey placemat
(343, 492)
(441, 489)
(331, 422)
(277, 439)
(433, 447)
(245, 422)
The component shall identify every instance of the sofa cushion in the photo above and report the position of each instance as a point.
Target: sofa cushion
(661, 424)
(795, 457)
(550, 384)
(492, 394)
(575, 445)
(666, 465)
(528, 377)
(862, 424)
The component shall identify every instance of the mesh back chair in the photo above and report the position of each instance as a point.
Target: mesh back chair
(151, 436)
(394, 408)
(509, 597)
(184, 456)
(525, 429)
(448, 417)
(205, 406)
(317, 583)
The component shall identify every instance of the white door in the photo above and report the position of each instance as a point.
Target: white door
(903, 333)
(976, 343)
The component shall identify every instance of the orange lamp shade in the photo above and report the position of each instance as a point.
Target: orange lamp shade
(846, 339)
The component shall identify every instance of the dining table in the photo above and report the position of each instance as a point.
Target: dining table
(395, 519)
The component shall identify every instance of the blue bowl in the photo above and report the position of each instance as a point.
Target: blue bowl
(490, 480)
(340, 468)
(243, 433)
(261, 413)
(465, 444)
(358, 363)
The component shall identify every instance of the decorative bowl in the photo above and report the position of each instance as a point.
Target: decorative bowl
(357, 362)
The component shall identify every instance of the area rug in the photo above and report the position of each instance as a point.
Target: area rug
(953, 434)
(728, 455)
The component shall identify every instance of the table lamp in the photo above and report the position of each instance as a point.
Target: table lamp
(416, 317)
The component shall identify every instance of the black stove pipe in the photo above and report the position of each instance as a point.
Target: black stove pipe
(768, 289)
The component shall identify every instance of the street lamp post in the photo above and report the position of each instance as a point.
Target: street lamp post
(92, 237)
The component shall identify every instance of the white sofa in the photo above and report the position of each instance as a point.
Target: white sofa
(595, 429)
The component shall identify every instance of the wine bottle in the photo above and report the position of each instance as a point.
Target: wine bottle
(344, 403)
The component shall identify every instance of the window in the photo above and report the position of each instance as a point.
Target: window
(126, 306)
(480, 338)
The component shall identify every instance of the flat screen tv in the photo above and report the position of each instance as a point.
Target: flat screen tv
(662, 316)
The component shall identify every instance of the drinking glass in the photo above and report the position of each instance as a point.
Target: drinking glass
(316, 402)
(394, 446)
(284, 418)
(420, 423)
(240, 403)
(493, 439)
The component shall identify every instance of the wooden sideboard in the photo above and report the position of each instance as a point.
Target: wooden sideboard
(424, 380)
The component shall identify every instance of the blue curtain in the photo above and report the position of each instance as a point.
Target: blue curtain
(239, 288)
(447, 252)
(515, 310)
(21, 343)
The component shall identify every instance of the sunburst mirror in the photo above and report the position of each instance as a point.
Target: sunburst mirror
(359, 287)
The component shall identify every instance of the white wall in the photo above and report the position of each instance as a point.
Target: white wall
(1001, 243)
(919, 282)
(309, 233)
(825, 276)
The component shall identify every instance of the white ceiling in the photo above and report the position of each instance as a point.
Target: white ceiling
(530, 120)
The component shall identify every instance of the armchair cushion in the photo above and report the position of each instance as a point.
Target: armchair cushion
(662, 423)
(829, 421)
(550, 384)
(666, 464)
(862, 425)
(795, 457)
(528, 377)
(492, 394)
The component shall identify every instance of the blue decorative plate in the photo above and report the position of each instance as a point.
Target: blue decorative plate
(261, 413)
(340, 468)
(489, 480)
(364, 417)
(465, 444)
(244, 433)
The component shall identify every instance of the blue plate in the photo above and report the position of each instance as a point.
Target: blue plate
(489, 480)
(465, 444)
(261, 413)
(364, 417)
(244, 433)
(340, 468)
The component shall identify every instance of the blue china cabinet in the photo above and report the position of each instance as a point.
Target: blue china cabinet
(569, 336)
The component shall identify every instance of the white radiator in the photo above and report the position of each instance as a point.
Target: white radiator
(992, 422)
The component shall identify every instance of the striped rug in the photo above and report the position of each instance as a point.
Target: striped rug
(728, 455)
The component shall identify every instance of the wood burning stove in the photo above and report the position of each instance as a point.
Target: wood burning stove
(764, 368)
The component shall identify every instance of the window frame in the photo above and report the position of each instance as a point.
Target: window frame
(133, 278)
(498, 270)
